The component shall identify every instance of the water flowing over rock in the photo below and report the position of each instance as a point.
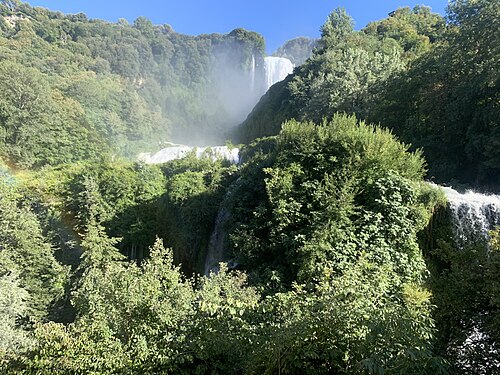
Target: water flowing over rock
(277, 68)
(216, 246)
(473, 214)
(175, 151)
(478, 341)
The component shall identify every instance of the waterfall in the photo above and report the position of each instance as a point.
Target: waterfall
(252, 75)
(175, 151)
(473, 214)
(277, 68)
(215, 251)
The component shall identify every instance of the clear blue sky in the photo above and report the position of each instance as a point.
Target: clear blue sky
(276, 20)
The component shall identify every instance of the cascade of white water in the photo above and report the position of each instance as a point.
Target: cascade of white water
(277, 68)
(473, 214)
(175, 151)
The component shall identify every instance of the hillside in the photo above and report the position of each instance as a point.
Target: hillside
(73, 88)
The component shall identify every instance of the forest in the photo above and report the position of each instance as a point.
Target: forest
(328, 249)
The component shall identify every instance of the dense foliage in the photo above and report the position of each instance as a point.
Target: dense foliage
(27, 259)
(319, 198)
(344, 67)
(448, 101)
(329, 242)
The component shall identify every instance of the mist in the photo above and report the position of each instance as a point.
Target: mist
(235, 82)
(239, 76)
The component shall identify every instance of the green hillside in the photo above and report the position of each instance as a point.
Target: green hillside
(432, 81)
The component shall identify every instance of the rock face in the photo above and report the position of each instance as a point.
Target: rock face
(174, 151)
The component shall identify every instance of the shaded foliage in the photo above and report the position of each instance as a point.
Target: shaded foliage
(25, 252)
(447, 103)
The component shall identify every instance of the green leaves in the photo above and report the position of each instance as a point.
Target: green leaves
(346, 70)
(336, 28)
(447, 102)
(334, 190)
(13, 307)
(325, 222)
(342, 210)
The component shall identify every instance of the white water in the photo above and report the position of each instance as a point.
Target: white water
(175, 151)
(252, 75)
(473, 214)
(277, 68)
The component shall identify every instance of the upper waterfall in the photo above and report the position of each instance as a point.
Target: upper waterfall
(277, 68)
(252, 74)
(473, 214)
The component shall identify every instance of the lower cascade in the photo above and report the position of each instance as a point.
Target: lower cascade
(216, 251)
(216, 246)
(473, 214)
(277, 68)
(176, 151)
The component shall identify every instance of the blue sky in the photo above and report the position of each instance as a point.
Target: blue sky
(276, 20)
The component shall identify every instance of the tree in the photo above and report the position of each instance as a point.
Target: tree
(13, 308)
(130, 318)
(23, 248)
(346, 71)
(337, 27)
(447, 102)
(357, 322)
(145, 26)
(322, 183)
